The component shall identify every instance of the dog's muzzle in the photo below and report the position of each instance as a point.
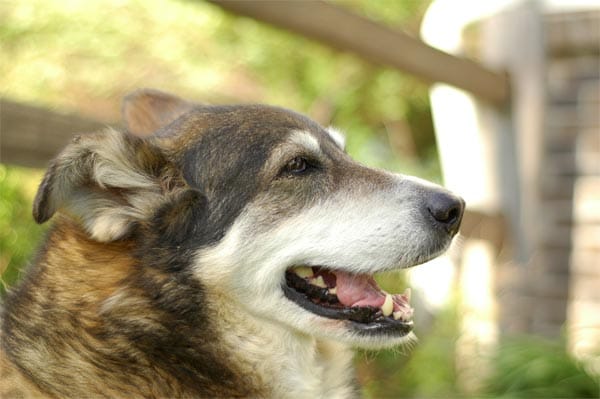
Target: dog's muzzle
(356, 298)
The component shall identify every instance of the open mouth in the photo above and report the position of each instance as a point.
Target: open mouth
(354, 297)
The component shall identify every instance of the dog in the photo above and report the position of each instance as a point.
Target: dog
(214, 251)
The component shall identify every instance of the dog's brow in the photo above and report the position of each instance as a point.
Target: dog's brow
(306, 140)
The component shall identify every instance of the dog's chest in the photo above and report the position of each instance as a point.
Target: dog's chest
(322, 371)
(290, 365)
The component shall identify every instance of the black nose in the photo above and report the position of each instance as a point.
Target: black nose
(447, 210)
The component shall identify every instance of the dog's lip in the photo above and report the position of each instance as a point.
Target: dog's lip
(357, 298)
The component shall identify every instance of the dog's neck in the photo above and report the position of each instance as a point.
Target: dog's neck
(289, 363)
(130, 329)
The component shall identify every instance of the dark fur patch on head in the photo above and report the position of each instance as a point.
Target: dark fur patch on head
(181, 216)
(231, 178)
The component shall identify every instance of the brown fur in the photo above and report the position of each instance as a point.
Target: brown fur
(86, 346)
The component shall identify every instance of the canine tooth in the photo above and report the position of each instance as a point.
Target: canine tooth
(319, 282)
(388, 306)
(333, 291)
(304, 271)
(398, 315)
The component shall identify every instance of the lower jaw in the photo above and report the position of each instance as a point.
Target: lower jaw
(378, 327)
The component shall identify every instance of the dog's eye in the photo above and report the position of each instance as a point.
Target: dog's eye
(296, 166)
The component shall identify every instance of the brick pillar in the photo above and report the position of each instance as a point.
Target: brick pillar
(573, 142)
(566, 275)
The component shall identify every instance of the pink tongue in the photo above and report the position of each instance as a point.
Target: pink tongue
(358, 290)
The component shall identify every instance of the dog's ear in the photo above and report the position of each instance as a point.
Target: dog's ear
(147, 110)
(108, 180)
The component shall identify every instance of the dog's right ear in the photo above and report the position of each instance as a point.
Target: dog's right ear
(109, 181)
(147, 110)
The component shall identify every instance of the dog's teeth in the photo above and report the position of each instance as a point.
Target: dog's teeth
(407, 294)
(403, 314)
(304, 271)
(388, 306)
(318, 281)
(333, 291)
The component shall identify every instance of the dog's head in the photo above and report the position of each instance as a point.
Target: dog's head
(265, 208)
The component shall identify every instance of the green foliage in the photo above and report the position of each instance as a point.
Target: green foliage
(84, 56)
(530, 367)
(522, 367)
(19, 235)
(399, 14)
(425, 370)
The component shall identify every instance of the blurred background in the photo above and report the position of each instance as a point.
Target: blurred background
(499, 100)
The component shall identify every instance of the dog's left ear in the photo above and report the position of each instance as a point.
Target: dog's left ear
(147, 110)
(108, 181)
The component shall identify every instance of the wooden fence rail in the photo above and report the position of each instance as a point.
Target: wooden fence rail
(341, 29)
(31, 136)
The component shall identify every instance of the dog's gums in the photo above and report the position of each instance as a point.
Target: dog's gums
(355, 297)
